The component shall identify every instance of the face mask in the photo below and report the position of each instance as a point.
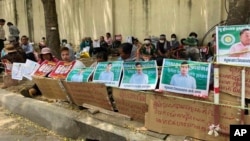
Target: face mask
(147, 42)
(161, 41)
(173, 39)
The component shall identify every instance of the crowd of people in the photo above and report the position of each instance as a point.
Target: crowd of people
(130, 50)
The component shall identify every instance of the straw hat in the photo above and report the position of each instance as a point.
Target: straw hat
(10, 48)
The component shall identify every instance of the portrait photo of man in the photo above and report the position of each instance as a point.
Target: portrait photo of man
(183, 79)
(242, 48)
(139, 77)
(78, 77)
(107, 75)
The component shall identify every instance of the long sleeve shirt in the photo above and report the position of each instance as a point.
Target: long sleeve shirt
(28, 48)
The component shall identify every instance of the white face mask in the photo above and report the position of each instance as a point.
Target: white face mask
(173, 39)
(147, 42)
(161, 41)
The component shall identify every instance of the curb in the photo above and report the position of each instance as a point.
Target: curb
(70, 123)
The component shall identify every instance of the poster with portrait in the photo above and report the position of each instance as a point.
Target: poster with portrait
(80, 75)
(29, 68)
(108, 73)
(141, 75)
(233, 45)
(45, 68)
(16, 72)
(185, 77)
(61, 70)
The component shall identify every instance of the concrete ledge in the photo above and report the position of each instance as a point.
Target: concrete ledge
(69, 123)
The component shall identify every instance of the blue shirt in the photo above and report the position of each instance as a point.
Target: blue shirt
(139, 79)
(183, 81)
(77, 78)
(106, 76)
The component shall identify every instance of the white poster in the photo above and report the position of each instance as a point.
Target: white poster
(17, 71)
(29, 68)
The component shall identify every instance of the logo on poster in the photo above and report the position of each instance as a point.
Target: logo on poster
(228, 39)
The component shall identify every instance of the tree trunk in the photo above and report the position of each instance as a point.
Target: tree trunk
(239, 12)
(51, 25)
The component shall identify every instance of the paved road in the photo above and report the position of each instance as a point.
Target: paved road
(17, 128)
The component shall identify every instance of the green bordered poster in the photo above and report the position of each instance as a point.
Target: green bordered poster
(185, 77)
(79, 75)
(233, 45)
(140, 75)
(108, 73)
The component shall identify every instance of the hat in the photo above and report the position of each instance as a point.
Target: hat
(10, 48)
(45, 50)
(190, 41)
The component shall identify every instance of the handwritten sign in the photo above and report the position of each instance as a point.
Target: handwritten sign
(50, 88)
(131, 103)
(45, 68)
(17, 72)
(171, 115)
(230, 80)
(61, 70)
(91, 93)
(29, 68)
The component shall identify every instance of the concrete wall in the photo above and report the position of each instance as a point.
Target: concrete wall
(141, 18)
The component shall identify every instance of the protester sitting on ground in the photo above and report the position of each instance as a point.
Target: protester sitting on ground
(108, 39)
(163, 46)
(71, 51)
(174, 43)
(100, 57)
(147, 49)
(28, 48)
(103, 44)
(42, 43)
(192, 51)
(125, 52)
(34, 91)
(46, 55)
(12, 56)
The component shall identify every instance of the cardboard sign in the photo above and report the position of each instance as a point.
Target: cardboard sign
(61, 70)
(108, 73)
(230, 48)
(141, 75)
(50, 88)
(7, 66)
(185, 77)
(230, 80)
(131, 103)
(16, 72)
(187, 117)
(29, 68)
(45, 68)
(79, 75)
(90, 93)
